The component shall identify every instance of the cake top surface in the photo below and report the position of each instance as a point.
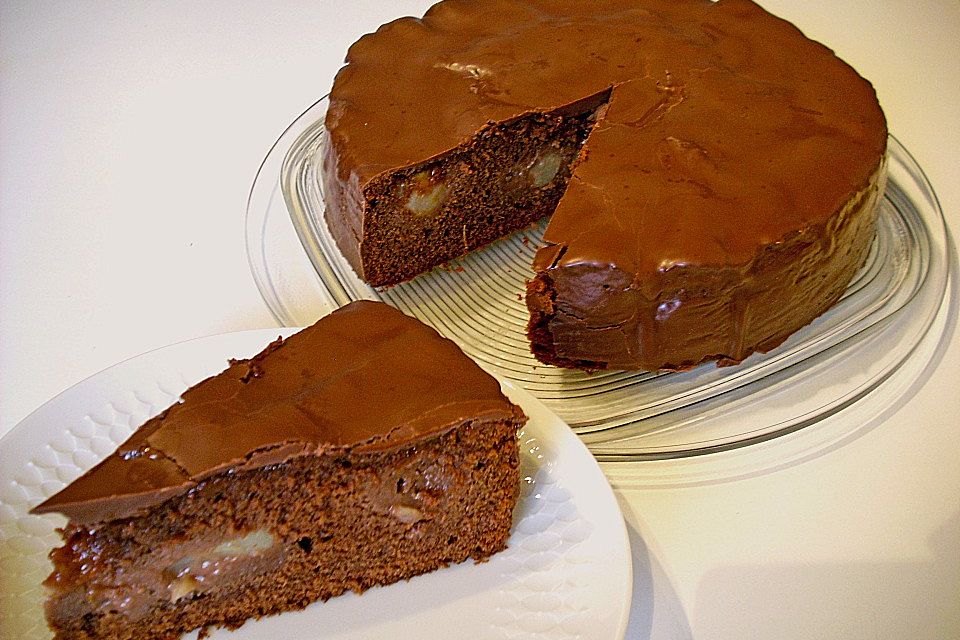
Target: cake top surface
(365, 377)
(724, 128)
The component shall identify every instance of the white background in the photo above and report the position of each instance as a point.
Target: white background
(130, 133)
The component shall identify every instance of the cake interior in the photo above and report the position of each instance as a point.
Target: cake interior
(251, 543)
(505, 178)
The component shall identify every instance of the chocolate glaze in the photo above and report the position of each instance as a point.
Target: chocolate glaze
(366, 378)
(728, 141)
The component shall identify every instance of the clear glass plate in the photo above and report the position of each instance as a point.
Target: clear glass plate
(477, 301)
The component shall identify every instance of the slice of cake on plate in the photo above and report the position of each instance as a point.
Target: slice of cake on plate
(364, 450)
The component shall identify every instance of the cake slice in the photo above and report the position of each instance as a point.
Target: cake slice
(363, 450)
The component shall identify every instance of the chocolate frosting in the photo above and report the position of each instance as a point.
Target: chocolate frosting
(366, 378)
(725, 132)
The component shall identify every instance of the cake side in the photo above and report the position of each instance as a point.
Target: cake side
(592, 317)
(767, 217)
(273, 539)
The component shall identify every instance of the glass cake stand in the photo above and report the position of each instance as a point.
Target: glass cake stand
(477, 301)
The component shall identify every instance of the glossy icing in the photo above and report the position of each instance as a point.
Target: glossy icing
(366, 378)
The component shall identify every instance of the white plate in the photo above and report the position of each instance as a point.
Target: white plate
(566, 573)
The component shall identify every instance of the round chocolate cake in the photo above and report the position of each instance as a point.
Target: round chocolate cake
(712, 174)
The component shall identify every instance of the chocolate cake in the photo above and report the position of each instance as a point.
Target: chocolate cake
(364, 450)
(713, 175)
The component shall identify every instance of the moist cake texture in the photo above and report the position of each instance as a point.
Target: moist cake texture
(713, 175)
(363, 450)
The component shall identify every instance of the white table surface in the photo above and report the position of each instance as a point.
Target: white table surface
(129, 137)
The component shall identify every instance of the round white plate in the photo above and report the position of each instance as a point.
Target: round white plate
(566, 573)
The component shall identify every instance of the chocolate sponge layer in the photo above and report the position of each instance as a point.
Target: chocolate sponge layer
(344, 520)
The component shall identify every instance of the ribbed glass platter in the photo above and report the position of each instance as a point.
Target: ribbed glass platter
(477, 301)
